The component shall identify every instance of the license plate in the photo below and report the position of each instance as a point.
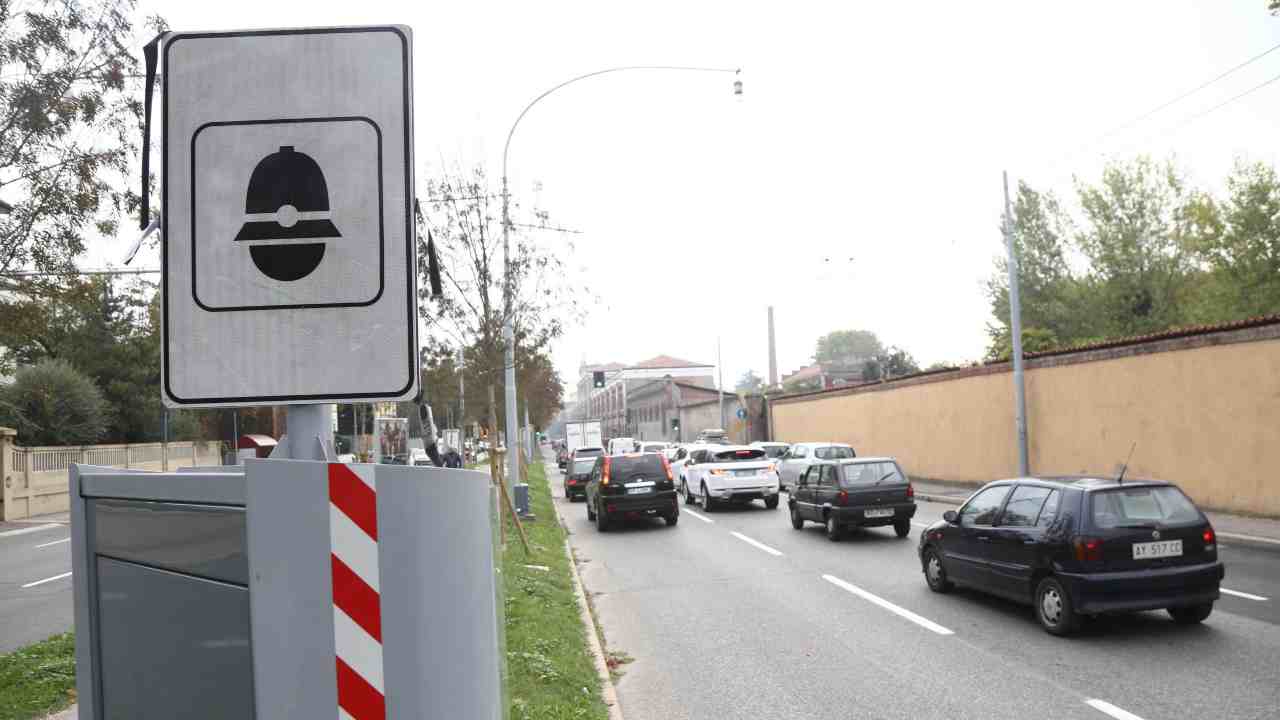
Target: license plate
(639, 491)
(1162, 549)
(878, 513)
(745, 472)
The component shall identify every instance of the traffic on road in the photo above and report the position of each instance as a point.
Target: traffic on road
(924, 609)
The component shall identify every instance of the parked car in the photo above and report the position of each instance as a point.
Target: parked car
(650, 446)
(863, 492)
(1075, 547)
(800, 456)
(729, 473)
(576, 477)
(633, 485)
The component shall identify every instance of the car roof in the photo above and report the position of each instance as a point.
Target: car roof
(869, 459)
(825, 444)
(731, 448)
(768, 443)
(1085, 482)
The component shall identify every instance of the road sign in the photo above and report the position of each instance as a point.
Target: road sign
(289, 250)
(742, 413)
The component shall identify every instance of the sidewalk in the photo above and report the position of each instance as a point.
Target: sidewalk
(1248, 530)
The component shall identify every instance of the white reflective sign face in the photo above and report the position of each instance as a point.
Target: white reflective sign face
(289, 249)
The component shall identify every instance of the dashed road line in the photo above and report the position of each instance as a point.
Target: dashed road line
(899, 611)
(756, 543)
(1112, 710)
(55, 542)
(703, 518)
(46, 580)
(25, 530)
(1245, 595)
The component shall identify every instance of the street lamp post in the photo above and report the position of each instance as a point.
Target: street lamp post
(508, 305)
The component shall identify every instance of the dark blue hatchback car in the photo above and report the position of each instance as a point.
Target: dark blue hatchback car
(1077, 547)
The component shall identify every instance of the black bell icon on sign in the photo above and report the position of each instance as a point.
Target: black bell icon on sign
(287, 200)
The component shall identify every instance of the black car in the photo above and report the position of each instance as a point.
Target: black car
(576, 478)
(861, 492)
(632, 485)
(1077, 547)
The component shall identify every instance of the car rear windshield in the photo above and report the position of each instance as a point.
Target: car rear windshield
(588, 452)
(582, 467)
(625, 468)
(1142, 507)
(774, 451)
(652, 448)
(871, 473)
(745, 455)
(833, 452)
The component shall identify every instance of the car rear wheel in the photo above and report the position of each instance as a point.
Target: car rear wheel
(591, 514)
(1053, 608)
(771, 502)
(902, 528)
(935, 575)
(834, 530)
(672, 519)
(1190, 615)
(706, 499)
(602, 520)
(689, 499)
(797, 522)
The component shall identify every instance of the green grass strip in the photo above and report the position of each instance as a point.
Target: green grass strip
(38, 679)
(550, 670)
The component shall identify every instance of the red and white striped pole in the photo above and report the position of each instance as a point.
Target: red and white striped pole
(357, 612)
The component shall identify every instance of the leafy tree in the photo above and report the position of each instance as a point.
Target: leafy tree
(750, 382)
(847, 347)
(69, 112)
(889, 363)
(1238, 240)
(1136, 237)
(462, 213)
(52, 403)
(1033, 340)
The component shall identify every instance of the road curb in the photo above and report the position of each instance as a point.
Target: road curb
(607, 691)
(948, 499)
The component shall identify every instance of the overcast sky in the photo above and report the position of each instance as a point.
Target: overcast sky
(856, 183)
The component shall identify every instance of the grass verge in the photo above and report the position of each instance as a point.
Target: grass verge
(550, 670)
(38, 679)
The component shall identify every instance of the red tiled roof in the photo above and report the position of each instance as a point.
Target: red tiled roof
(803, 373)
(666, 361)
(1171, 333)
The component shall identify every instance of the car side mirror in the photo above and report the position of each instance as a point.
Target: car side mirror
(951, 517)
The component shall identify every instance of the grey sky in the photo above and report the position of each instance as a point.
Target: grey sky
(872, 134)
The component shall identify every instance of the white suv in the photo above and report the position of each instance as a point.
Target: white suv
(729, 473)
(800, 456)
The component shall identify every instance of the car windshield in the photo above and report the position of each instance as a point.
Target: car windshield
(742, 455)
(871, 473)
(588, 452)
(582, 467)
(627, 468)
(1143, 506)
(833, 452)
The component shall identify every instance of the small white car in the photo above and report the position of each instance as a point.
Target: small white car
(800, 456)
(714, 474)
(652, 446)
(622, 446)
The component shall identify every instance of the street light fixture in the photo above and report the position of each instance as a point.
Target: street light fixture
(508, 328)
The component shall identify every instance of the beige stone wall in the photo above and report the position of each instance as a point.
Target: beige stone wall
(1203, 410)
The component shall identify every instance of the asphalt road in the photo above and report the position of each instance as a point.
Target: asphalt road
(737, 615)
(32, 610)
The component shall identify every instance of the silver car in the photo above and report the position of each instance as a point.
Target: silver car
(800, 456)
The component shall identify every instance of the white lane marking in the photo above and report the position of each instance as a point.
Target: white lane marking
(1112, 710)
(55, 542)
(1245, 595)
(1254, 538)
(899, 611)
(756, 543)
(25, 530)
(703, 518)
(46, 580)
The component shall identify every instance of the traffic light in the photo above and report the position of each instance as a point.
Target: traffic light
(597, 379)
(675, 423)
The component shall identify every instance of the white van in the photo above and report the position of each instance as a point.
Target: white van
(622, 446)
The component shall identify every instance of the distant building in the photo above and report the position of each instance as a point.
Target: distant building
(610, 403)
(822, 376)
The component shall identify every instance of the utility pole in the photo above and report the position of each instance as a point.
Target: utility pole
(720, 381)
(528, 433)
(462, 399)
(1015, 331)
(773, 352)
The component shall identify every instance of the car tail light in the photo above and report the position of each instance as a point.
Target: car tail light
(1209, 537)
(718, 471)
(911, 492)
(604, 476)
(667, 466)
(842, 498)
(1088, 549)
